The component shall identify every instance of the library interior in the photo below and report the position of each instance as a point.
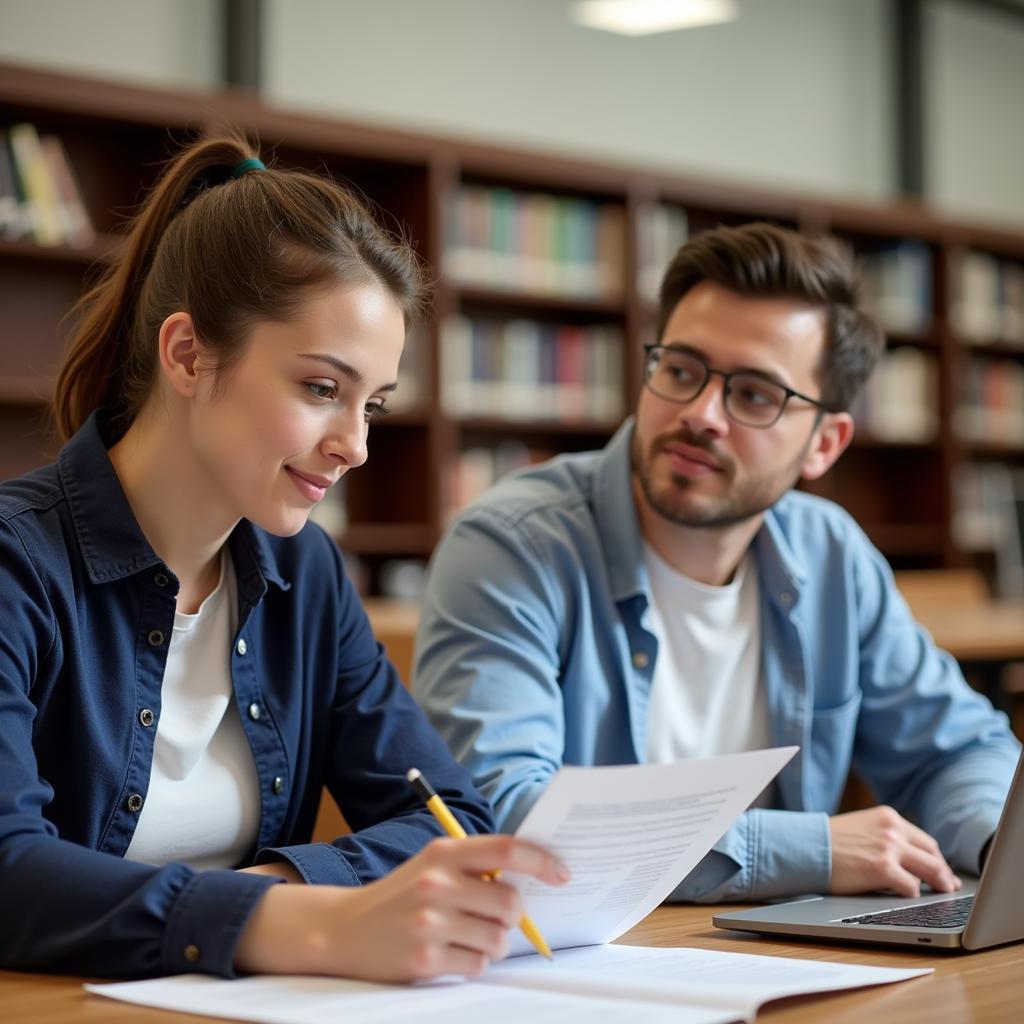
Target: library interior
(546, 170)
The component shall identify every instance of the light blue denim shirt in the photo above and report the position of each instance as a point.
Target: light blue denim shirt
(532, 652)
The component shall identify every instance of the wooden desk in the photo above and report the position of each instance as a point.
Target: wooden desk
(987, 631)
(981, 988)
(984, 988)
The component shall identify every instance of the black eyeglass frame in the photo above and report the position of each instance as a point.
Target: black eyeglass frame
(710, 371)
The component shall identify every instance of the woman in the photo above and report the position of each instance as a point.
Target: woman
(183, 664)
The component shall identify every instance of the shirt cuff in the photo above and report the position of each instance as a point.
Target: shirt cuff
(791, 853)
(970, 838)
(766, 854)
(317, 863)
(206, 921)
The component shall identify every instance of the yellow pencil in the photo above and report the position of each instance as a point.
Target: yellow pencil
(451, 825)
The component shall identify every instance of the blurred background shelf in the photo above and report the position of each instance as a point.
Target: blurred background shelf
(578, 247)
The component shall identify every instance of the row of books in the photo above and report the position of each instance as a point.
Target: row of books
(475, 469)
(660, 231)
(534, 242)
(521, 369)
(987, 298)
(896, 286)
(39, 194)
(990, 404)
(988, 516)
(900, 402)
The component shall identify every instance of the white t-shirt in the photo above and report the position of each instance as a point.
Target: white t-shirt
(203, 803)
(706, 693)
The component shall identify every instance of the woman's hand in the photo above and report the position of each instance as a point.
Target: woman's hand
(435, 914)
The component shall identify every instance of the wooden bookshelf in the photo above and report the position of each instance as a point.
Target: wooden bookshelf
(897, 479)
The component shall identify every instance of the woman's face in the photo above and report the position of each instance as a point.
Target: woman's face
(290, 417)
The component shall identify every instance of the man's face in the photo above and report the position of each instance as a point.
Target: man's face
(696, 466)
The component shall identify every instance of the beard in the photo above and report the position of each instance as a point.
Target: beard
(680, 499)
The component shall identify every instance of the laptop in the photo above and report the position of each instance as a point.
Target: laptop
(984, 912)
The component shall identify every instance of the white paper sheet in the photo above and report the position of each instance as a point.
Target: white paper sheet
(740, 982)
(595, 985)
(630, 835)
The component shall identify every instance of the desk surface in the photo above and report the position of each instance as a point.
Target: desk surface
(984, 988)
(987, 631)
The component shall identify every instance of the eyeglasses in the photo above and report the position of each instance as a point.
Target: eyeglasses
(749, 398)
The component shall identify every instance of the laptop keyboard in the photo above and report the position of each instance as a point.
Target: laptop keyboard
(944, 914)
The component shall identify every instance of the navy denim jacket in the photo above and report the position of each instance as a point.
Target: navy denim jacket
(87, 610)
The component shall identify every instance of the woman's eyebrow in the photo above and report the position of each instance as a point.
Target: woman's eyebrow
(345, 369)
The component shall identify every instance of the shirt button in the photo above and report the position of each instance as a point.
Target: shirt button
(146, 717)
(254, 710)
(640, 659)
(156, 638)
(241, 646)
(161, 580)
(278, 783)
(191, 952)
(135, 803)
(785, 597)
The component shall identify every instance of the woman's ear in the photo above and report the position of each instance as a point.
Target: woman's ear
(179, 353)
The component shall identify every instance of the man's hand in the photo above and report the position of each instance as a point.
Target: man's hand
(879, 849)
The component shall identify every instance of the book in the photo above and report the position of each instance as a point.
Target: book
(38, 185)
(76, 226)
(661, 229)
(896, 283)
(900, 401)
(10, 204)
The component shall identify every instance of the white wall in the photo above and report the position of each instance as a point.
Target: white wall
(160, 42)
(975, 132)
(794, 93)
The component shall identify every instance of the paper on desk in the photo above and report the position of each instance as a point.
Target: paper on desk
(630, 834)
(288, 999)
(739, 983)
(589, 985)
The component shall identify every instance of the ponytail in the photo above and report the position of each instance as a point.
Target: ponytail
(228, 252)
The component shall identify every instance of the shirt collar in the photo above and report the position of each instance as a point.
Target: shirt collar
(617, 522)
(112, 543)
(781, 569)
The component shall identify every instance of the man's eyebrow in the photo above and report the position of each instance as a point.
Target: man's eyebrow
(345, 369)
(756, 371)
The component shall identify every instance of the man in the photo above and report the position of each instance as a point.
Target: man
(671, 597)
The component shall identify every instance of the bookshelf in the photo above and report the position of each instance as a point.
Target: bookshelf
(546, 274)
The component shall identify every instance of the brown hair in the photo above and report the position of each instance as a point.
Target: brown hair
(230, 252)
(762, 260)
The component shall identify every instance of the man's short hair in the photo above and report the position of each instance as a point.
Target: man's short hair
(761, 260)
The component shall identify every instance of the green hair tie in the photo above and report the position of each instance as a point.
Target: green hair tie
(251, 163)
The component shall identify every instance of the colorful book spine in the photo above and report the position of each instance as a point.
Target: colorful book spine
(534, 243)
(39, 188)
(524, 370)
(39, 195)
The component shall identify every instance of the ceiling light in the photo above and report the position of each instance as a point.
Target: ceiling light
(643, 17)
